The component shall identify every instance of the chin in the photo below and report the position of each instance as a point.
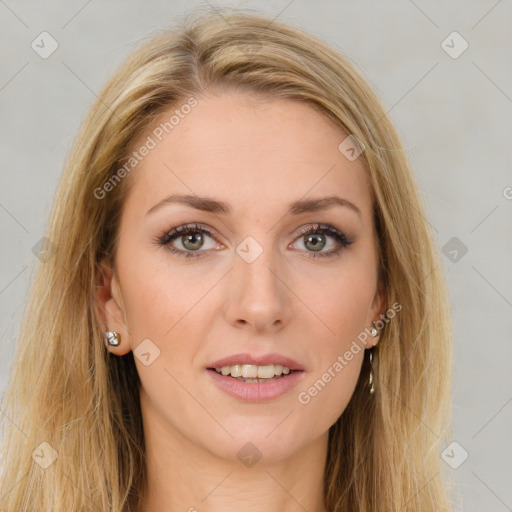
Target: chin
(265, 441)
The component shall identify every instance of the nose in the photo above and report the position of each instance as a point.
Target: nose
(258, 297)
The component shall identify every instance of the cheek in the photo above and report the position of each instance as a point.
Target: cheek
(328, 388)
(156, 294)
(167, 303)
(344, 301)
(326, 394)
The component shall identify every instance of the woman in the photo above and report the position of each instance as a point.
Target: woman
(244, 304)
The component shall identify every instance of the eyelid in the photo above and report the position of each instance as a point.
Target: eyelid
(186, 228)
(318, 226)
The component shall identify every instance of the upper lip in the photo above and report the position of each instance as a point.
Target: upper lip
(259, 360)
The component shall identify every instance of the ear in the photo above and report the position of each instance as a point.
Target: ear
(377, 312)
(110, 308)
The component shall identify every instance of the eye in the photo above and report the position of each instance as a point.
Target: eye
(190, 237)
(315, 238)
(188, 240)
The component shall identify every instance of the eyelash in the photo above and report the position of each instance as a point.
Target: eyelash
(174, 233)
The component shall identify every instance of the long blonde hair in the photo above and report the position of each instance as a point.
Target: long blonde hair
(67, 391)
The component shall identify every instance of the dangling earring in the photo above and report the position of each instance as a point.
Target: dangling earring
(112, 338)
(370, 381)
(374, 332)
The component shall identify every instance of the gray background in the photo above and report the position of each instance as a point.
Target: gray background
(454, 115)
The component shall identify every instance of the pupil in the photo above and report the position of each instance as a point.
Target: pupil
(196, 238)
(317, 241)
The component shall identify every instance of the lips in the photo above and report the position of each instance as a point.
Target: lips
(257, 360)
(288, 373)
(256, 392)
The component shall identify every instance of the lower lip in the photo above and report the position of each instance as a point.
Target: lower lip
(256, 391)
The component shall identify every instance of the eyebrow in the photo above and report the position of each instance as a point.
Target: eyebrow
(207, 204)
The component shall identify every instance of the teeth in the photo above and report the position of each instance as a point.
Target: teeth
(236, 370)
(252, 371)
(266, 372)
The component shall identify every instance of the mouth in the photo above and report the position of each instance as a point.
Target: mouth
(253, 383)
(251, 373)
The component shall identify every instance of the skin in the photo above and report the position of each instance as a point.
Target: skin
(258, 156)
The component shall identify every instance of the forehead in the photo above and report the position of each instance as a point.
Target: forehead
(251, 152)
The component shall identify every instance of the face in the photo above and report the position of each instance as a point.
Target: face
(253, 277)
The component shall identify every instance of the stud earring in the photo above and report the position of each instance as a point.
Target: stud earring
(373, 330)
(370, 380)
(112, 338)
